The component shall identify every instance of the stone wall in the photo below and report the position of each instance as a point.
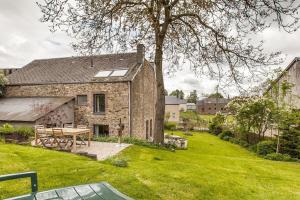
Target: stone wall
(292, 76)
(60, 116)
(143, 102)
(211, 108)
(116, 96)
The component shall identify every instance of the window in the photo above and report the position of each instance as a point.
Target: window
(101, 130)
(81, 100)
(99, 103)
(174, 115)
(147, 129)
(119, 72)
(150, 127)
(101, 74)
(209, 108)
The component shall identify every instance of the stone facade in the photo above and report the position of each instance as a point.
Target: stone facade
(131, 101)
(143, 102)
(211, 106)
(60, 116)
(292, 76)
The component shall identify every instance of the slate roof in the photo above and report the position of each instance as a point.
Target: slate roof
(74, 69)
(212, 101)
(29, 109)
(172, 100)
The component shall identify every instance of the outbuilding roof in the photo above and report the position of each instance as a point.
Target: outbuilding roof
(81, 69)
(172, 100)
(29, 109)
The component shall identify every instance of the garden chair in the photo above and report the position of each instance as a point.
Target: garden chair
(81, 138)
(41, 135)
(61, 139)
(96, 191)
(68, 126)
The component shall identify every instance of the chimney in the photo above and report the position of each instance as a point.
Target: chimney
(140, 54)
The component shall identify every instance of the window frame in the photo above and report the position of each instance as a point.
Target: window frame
(100, 112)
(103, 126)
(81, 95)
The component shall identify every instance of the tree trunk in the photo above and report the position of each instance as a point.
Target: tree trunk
(160, 97)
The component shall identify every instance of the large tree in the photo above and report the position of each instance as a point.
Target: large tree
(210, 34)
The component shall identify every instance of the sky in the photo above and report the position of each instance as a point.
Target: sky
(24, 38)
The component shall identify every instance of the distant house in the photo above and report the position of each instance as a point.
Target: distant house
(291, 74)
(191, 106)
(174, 106)
(97, 90)
(212, 105)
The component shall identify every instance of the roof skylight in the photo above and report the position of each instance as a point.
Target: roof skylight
(109, 73)
(103, 74)
(119, 72)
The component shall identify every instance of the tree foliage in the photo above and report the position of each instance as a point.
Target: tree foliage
(177, 93)
(2, 84)
(254, 115)
(216, 95)
(193, 97)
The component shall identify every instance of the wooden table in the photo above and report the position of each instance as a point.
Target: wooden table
(73, 132)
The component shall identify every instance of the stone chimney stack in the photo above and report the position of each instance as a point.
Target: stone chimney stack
(140, 53)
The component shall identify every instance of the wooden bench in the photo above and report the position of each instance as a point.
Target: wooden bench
(97, 191)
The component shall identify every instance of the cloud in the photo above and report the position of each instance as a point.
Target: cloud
(24, 38)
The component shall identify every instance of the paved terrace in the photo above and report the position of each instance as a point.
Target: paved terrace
(99, 150)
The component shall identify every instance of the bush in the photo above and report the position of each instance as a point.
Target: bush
(7, 129)
(216, 126)
(170, 125)
(118, 162)
(226, 135)
(265, 147)
(215, 129)
(278, 157)
(239, 142)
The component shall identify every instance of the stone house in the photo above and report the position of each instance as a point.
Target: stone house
(291, 75)
(208, 106)
(174, 106)
(105, 89)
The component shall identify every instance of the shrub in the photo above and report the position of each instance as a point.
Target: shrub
(215, 129)
(7, 126)
(226, 135)
(265, 147)
(216, 126)
(118, 162)
(278, 157)
(8, 129)
(253, 148)
(24, 131)
(170, 125)
(239, 142)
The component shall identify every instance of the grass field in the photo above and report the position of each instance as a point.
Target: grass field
(209, 169)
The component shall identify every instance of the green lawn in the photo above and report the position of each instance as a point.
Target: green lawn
(209, 169)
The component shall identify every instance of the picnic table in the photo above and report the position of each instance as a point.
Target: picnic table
(96, 191)
(72, 132)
